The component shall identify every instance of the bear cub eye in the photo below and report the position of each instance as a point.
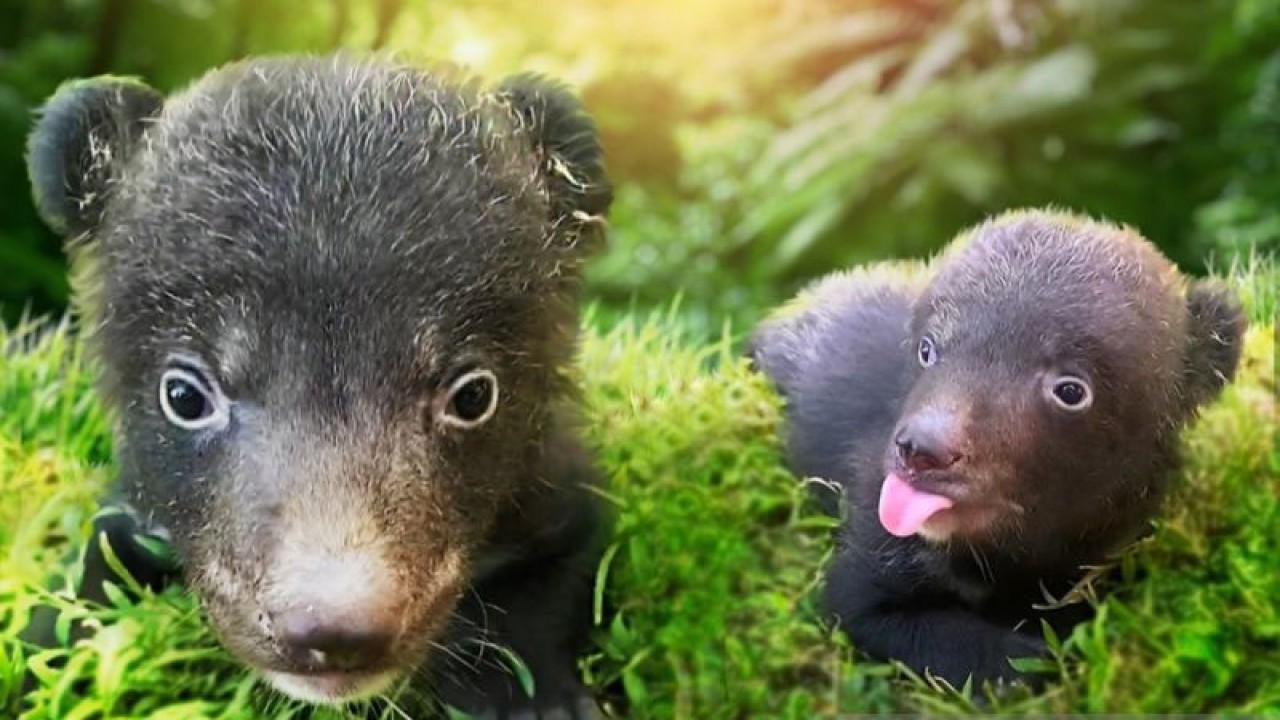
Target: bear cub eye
(472, 399)
(927, 352)
(1071, 393)
(188, 401)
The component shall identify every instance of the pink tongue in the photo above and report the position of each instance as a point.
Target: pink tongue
(903, 509)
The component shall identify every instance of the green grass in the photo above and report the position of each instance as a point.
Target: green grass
(712, 573)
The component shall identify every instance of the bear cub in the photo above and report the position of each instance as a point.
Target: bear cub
(334, 300)
(995, 420)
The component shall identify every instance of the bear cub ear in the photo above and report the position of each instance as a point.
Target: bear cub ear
(566, 138)
(1215, 338)
(777, 347)
(84, 134)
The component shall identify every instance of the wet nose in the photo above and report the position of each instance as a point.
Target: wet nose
(926, 442)
(328, 641)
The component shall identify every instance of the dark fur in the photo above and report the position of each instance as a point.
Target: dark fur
(1025, 294)
(335, 238)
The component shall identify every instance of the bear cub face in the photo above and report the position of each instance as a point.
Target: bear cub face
(334, 300)
(1043, 351)
(996, 420)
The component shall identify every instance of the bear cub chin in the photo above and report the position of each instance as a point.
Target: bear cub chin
(334, 301)
(995, 420)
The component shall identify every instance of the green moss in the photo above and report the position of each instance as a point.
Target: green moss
(709, 582)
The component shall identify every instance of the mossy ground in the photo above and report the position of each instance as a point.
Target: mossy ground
(710, 579)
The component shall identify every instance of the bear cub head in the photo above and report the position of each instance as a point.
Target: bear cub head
(1053, 362)
(334, 299)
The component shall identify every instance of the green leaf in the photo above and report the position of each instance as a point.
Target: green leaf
(601, 582)
(113, 562)
(1033, 665)
(1050, 636)
(117, 597)
(518, 667)
(158, 548)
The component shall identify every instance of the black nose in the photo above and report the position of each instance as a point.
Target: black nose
(924, 442)
(334, 643)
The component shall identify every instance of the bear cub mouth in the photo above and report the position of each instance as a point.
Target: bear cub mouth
(331, 686)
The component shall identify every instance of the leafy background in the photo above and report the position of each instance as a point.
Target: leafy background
(757, 143)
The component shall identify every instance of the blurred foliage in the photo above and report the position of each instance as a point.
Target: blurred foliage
(758, 143)
(897, 124)
(1247, 213)
(666, 240)
(167, 42)
(943, 112)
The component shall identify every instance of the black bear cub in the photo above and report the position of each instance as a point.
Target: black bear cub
(335, 300)
(996, 420)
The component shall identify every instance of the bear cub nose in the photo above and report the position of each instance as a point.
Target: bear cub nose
(926, 442)
(326, 641)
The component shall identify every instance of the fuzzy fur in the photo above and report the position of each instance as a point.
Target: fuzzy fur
(1022, 297)
(334, 239)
